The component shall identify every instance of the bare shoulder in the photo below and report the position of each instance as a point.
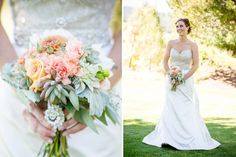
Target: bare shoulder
(193, 44)
(194, 47)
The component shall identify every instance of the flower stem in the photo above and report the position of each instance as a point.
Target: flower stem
(58, 148)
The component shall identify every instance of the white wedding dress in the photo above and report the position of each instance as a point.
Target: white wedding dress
(89, 21)
(181, 125)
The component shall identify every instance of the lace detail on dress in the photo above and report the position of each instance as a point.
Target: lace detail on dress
(181, 59)
(88, 20)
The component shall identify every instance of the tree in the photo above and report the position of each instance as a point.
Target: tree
(143, 38)
(213, 22)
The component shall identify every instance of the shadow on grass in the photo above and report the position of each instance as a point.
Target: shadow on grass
(227, 75)
(221, 129)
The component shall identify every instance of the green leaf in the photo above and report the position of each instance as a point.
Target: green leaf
(34, 97)
(100, 76)
(63, 99)
(89, 83)
(106, 73)
(74, 100)
(39, 48)
(64, 92)
(57, 93)
(50, 50)
(97, 101)
(68, 87)
(59, 87)
(83, 116)
(52, 97)
(112, 114)
(79, 86)
(70, 108)
(102, 118)
(49, 91)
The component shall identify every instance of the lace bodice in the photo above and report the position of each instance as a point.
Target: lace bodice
(88, 20)
(181, 59)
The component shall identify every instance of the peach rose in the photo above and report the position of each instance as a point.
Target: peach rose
(35, 70)
(74, 48)
(174, 71)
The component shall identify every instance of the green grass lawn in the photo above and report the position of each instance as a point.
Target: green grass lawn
(142, 104)
(221, 129)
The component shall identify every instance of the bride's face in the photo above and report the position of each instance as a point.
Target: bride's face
(181, 28)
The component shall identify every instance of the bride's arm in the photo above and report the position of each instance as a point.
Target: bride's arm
(116, 56)
(7, 52)
(166, 57)
(195, 62)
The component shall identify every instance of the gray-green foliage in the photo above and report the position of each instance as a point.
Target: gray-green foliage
(15, 75)
(92, 56)
(97, 100)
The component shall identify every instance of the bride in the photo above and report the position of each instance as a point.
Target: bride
(180, 124)
(22, 129)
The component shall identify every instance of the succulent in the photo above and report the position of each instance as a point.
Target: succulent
(54, 92)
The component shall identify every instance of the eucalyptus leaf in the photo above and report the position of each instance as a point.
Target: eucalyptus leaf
(74, 100)
(63, 99)
(14, 77)
(64, 92)
(59, 87)
(89, 83)
(57, 93)
(34, 97)
(79, 86)
(112, 114)
(70, 107)
(68, 87)
(84, 117)
(49, 91)
(52, 97)
(97, 101)
(102, 118)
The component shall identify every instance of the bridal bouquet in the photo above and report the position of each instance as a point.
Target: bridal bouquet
(67, 76)
(176, 77)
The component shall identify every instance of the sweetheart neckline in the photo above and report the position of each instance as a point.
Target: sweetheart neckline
(180, 52)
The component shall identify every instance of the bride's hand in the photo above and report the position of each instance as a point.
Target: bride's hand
(38, 124)
(71, 126)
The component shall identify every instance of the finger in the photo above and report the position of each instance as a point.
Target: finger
(47, 139)
(36, 125)
(44, 132)
(74, 129)
(66, 112)
(69, 123)
(40, 116)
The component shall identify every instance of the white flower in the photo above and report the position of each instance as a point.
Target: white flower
(54, 116)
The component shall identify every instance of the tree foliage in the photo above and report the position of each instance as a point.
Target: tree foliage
(143, 38)
(213, 22)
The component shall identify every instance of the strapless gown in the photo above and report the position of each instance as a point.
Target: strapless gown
(180, 124)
